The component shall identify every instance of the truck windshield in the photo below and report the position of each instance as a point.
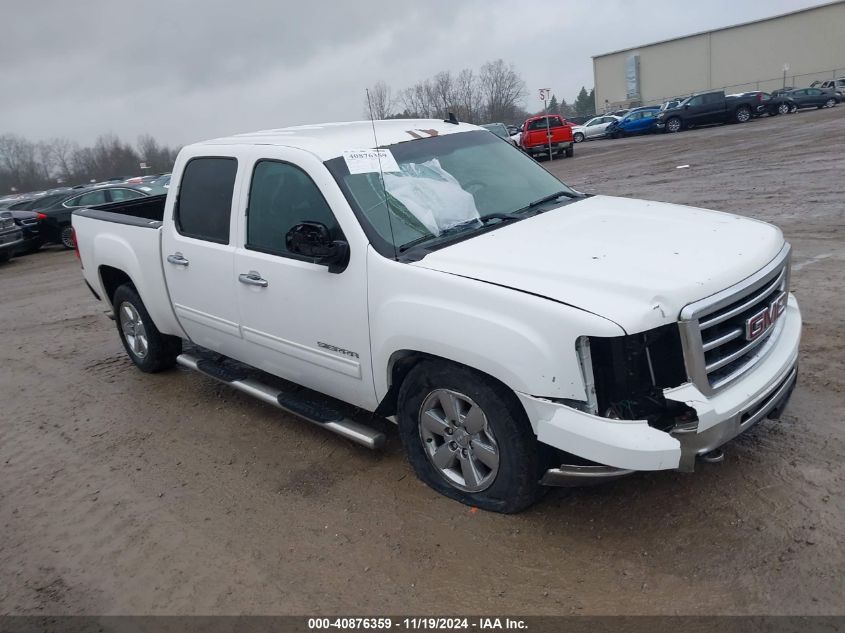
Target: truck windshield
(449, 184)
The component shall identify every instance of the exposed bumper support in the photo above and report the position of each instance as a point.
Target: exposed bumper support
(571, 475)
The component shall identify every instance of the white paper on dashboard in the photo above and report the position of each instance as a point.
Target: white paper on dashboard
(368, 161)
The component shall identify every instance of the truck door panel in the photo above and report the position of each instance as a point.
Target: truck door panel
(301, 322)
(199, 255)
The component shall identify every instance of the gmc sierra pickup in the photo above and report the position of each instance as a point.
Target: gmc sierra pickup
(520, 333)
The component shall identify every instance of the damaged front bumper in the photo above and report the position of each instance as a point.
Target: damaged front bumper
(619, 447)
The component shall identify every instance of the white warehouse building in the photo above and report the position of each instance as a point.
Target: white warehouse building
(793, 49)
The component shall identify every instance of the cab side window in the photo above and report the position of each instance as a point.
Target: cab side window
(204, 205)
(280, 197)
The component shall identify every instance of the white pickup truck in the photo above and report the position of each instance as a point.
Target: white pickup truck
(519, 333)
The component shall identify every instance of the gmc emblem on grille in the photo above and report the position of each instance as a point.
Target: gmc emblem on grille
(760, 323)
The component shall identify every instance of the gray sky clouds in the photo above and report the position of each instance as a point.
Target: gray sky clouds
(185, 70)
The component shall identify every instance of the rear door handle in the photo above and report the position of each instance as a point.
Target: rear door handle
(253, 278)
(177, 259)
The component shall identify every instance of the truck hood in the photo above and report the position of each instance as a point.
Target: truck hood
(635, 262)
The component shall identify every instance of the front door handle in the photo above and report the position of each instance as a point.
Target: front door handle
(253, 278)
(177, 259)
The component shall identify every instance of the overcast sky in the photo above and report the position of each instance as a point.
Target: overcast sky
(186, 70)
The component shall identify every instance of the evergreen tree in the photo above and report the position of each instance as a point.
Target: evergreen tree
(582, 103)
(554, 108)
(566, 110)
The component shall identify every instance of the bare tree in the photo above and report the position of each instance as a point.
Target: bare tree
(61, 153)
(381, 101)
(468, 96)
(503, 90)
(19, 161)
(442, 94)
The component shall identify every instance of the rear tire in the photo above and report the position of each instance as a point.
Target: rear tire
(66, 237)
(468, 438)
(149, 349)
(830, 103)
(569, 152)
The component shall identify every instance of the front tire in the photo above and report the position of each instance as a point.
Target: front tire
(673, 125)
(783, 108)
(149, 349)
(742, 114)
(467, 437)
(578, 137)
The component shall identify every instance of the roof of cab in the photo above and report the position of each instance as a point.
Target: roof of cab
(330, 140)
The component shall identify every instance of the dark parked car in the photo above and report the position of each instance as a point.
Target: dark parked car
(30, 227)
(54, 211)
(10, 236)
(769, 103)
(705, 108)
(813, 97)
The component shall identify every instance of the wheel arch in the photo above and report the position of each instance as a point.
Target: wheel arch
(111, 279)
(401, 363)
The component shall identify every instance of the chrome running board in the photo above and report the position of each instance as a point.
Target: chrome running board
(322, 415)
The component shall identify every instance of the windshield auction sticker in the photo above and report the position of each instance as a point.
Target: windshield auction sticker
(368, 161)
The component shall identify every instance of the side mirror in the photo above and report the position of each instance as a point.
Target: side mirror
(312, 239)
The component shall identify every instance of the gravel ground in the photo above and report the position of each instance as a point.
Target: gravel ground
(125, 493)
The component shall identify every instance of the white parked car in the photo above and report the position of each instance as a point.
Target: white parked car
(594, 128)
(519, 333)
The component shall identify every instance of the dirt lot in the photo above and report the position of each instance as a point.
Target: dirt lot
(122, 492)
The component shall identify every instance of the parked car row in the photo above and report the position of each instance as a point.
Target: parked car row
(706, 108)
(43, 217)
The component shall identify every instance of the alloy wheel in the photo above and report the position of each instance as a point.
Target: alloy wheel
(458, 440)
(133, 329)
(66, 237)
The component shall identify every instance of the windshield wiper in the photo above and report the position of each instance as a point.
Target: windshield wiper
(549, 198)
(462, 228)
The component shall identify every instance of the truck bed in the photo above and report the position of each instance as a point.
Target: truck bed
(122, 241)
(146, 212)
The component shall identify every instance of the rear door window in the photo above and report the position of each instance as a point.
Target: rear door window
(204, 205)
(119, 195)
(90, 199)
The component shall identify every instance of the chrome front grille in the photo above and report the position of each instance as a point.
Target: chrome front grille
(717, 347)
(6, 223)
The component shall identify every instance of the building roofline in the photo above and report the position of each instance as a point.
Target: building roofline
(722, 28)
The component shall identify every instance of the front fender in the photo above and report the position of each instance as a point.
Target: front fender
(525, 341)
